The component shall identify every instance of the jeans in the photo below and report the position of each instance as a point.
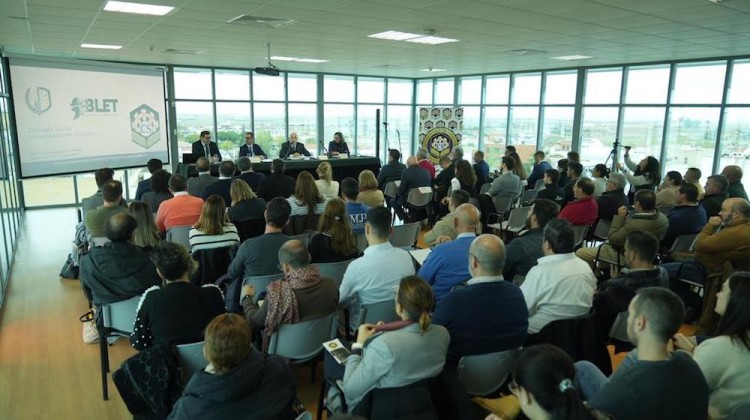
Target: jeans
(590, 379)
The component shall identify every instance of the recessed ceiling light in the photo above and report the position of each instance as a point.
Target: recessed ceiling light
(297, 60)
(432, 70)
(572, 57)
(283, 58)
(137, 8)
(311, 60)
(432, 40)
(102, 46)
(394, 35)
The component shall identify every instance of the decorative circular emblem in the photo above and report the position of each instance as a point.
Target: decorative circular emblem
(447, 113)
(439, 142)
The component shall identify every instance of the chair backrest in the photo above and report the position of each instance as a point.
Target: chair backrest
(334, 270)
(476, 203)
(120, 316)
(529, 195)
(684, 243)
(602, 229)
(379, 311)
(212, 264)
(580, 234)
(419, 197)
(361, 242)
(483, 374)
(191, 359)
(502, 204)
(405, 235)
(517, 218)
(390, 189)
(303, 237)
(180, 235)
(485, 187)
(99, 240)
(303, 341)
(741, 412)
(301, 224)
(260, 283)
(250, 228)
(539, 184)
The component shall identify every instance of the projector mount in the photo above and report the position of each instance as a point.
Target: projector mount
(271, 70)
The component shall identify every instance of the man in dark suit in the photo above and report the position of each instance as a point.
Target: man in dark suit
(392, 170)
(292, 147)
(250, 148)
(144, 186)
(222, 186)
(205, 147)
(277, 184)
(204, 178)
(246, 173)
(414, 176)
(443, 179)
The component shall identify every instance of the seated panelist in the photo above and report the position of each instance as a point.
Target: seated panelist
(293, 148)
(205, 147)
(251, 149)
(338, 145)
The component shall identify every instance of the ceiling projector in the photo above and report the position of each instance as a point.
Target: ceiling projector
(268, 71)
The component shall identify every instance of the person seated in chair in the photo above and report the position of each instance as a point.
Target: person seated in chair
(293, 148)
(613, 197)
(413, 177)
(159, 190)
(583, 210)
(444, 230)
(687, 217)
(508, 184)
(96, 220)
(239, 381)
(204, 178)
(245, 166)
(181, 210)
(523, 252)
(392, 170)
(223, 185)
(551, 191)
(213, 229)
(277, 184)
(301, 295)
(144, 186)
(335, 240)
(101, 176)
(715, 194)
(246, 205)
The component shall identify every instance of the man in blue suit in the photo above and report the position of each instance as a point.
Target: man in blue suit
(250, 148)
(540, 166)
(205, 147)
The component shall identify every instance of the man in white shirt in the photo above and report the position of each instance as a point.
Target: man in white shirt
(561, 285)
(375, 276)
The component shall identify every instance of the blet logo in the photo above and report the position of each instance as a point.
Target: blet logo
(82, 106)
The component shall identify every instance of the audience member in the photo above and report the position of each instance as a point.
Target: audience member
(259, 256)
(338, 145)
(159, 191)
(118, 270)
(144, 186)
(301, 296)
(97, 199)
(325, 183)
(509, 149)
(178, 312)
(251, 149)
(204, 178)
(239, 381)
(145, 234)
(465, 178)
(223, 186)
(651, 383)
(599, 175)
(734, 176)
(646, 175)
(667, 193)
(446, 266)
(444, 230)
(583, 211)
(457, 154)
(96, 220)
(562, 167)
(508, 184)
(687, 217)
(443, 179)
(252, 178)
(541, 167)
(369, 194)
(488, 315)
(277, 184)
(182, 210)
(306, 198)
(392, 170)
(481, 169)
(693, 176)
(725, 359)
(368, 279)
(551, 191)
(612, 199)
(560, 286)
(335, 240)
(575, 170)
(413, 177)
(424, 162)
(518, 168)
(213, 230)
(716, 193)
(246, 206)
(356, 211)
(524, 251)
(574, 157)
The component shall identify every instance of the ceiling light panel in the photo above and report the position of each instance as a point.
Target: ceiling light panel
(572, 57)
(395, 35)
(137, 8)
(283, 58)
(102, 46)
(311, 60)
(431, 40)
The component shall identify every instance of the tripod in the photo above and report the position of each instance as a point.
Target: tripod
(613, 155)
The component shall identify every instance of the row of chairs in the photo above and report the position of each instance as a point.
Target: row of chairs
(417, 200)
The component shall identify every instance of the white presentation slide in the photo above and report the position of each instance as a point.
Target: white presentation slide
(81, 116)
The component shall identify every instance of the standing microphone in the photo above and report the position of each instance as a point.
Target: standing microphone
(322, 146)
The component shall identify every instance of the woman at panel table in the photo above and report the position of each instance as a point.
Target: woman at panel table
(338, 144)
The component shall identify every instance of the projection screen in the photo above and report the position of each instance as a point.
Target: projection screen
(78, 116)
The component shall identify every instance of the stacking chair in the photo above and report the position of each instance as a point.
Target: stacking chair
(303, 341)
(528, 196)
(260, 283)
(301, 224)
(250, 228)
(405, 236)
(114, 319)
(601, 232)
(502, 204)
(361, 242)
(539, 184)
(180, 235)
(390, 190)
(334, 270)
(303, 237)
(580, 234)
(683, 243)
(517, 220)
(485, 187)
(418, 200)
(379, 311)
(212, 264)
(483, 374)
(191, 359)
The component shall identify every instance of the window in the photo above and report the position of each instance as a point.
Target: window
(524, 121)
(735, 139)
(699, 83)
(603, 86)
(560, 88)
(399, 91)
(495, 128)
(303, 87)
(399, 128)
(444, 92)
(270, 131)
(232, 85)
(424, 92)
(497, 90)
(526, 88)
(192, 118)
(49, 190)
(598, 133)
(232, 122)
(739, 89)
(268, 88)
(471, 91)
(470, 133)
(338, 88)
(642, 129)
(691, 139)
(303, 119)
(192, 84)
(647, 85)
(339, 118)
(557, 130)
(370, 90)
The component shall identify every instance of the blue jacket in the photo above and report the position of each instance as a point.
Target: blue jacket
(537, 173)
(447, 265)
(684, 220)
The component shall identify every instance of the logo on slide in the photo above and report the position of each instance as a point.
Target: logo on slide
(82, 106)
(144, 126)
(39, 100)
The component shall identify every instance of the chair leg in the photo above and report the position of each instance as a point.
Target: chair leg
(313, 365)
(104, 358)
(321, 398)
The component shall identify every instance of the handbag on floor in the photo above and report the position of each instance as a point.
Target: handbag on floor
(70, 270)
(90, 333)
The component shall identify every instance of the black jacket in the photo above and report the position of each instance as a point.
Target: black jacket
(198, 150)
(609, 202)
(413, 177)
(253, 179)
(552, 192)
(257, 151)
(276, 185)
(220, 188)
(390, 172)
(286, 150)
(261, 387)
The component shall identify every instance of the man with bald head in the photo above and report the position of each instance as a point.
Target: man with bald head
(488, 315)
(734, 176)
(414, 176)
(446, 266)
(293, 147)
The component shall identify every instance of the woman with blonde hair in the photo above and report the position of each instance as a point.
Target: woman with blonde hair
(213, 230)
(326, 185)
(245, 204)
(335, 241)
(369, 194)
(306, 198)
(145, 234)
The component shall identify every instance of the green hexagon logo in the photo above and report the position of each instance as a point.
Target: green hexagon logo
(144, 126)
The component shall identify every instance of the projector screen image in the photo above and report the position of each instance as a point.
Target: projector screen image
(81, 116)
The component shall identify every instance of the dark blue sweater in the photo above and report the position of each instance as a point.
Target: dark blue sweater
(684, 220)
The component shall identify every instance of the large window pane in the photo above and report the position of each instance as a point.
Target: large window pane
(367, 129)
(268, 88)
(560, 88)
(303, 119)
(339, 118)
(269, 127)
(603, 86)
(735, 139)
(192, 84)
(471, 91)
(642, 129)
(192, 118)
(399, 134)
(523, 126)
(497, 90)
(739, 90)
(338, 88)
(49, 191)
(691, 139)
(699, 83)
(233, 121)
(526, 88)
(470, 133)
(370, 90)
(444, 92)
(598, 133)
(303, 87)
(647, 85)
(232, 85)
(399, 91)
(495, 127)
(557, 130)
(424, 92)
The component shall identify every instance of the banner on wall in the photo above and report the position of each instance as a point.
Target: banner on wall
(440, 131)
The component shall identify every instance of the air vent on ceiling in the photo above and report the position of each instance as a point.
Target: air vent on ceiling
(525, 52)
(176, 51)
(263, 22)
